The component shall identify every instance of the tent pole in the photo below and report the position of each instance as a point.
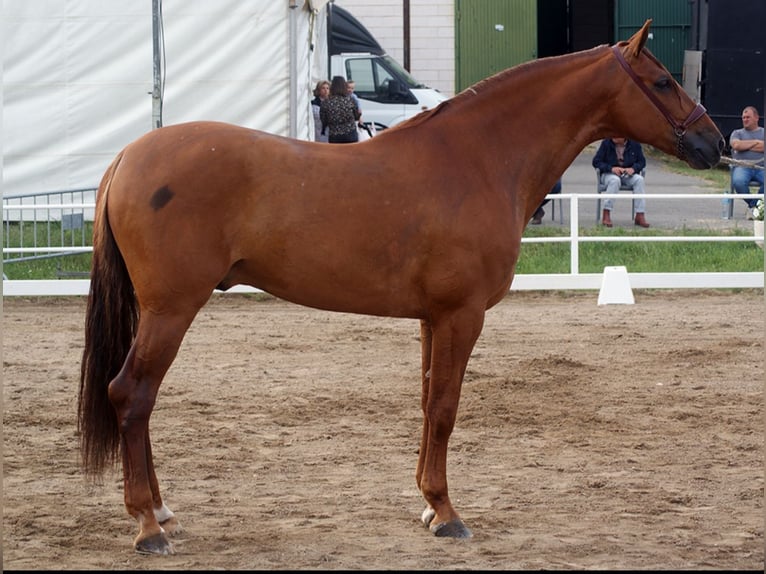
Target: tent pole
(157, 86)
(293, 98)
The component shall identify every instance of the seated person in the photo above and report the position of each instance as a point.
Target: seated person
(747, 145)
(537, 218)
(620, 162)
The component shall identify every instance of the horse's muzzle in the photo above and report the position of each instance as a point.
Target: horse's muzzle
(702, 152)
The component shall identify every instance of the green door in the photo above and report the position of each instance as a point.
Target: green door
(492, 35)
(670, 31)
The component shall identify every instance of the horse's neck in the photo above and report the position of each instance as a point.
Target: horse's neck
(538, 116)
(563, 101)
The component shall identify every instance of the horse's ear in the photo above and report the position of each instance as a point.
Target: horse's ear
(637, 41)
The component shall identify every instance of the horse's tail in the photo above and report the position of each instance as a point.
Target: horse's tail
(111, 319)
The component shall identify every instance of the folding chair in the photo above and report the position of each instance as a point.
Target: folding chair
(601, 188)
(752, 184)
(552, 203)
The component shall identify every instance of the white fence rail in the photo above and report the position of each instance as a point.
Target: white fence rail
(573, 280)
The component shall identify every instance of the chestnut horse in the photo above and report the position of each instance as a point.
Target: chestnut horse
(423, 221)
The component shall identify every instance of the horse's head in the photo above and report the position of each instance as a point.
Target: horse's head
(682, 128)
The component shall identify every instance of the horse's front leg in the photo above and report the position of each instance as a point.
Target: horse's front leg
(452, 339)
(426, 339)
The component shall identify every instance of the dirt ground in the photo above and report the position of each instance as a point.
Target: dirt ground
(588, 437)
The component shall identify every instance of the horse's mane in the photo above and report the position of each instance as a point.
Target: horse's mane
(533, 66)
(514, 73)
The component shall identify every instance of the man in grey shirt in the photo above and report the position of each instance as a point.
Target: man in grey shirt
(747, 145)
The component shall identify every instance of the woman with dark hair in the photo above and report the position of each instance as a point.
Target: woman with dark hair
(339, 114)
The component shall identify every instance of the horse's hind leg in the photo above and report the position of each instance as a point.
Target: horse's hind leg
(452, 338)
(162, 513)
(133, 393)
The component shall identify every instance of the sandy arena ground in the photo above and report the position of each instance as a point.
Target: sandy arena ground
(619, 437)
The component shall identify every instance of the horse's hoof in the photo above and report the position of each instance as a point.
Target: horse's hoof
(172, 527)
(157, 544)
(451, 529)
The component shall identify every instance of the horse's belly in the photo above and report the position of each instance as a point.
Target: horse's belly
(365, 276)
(324, 283)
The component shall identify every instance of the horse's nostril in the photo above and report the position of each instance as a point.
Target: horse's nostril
(721, 145)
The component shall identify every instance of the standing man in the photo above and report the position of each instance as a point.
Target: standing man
(369, 131)
(747, 145)
(351, 86)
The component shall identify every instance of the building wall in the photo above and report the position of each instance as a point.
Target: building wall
(432, 36)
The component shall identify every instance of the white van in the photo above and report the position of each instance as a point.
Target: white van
(388, 93)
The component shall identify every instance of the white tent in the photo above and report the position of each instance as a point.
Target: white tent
(83, 78)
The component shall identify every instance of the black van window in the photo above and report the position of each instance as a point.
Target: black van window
(375, 81)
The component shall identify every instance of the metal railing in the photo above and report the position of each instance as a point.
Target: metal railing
(573, 280)
(47, 224)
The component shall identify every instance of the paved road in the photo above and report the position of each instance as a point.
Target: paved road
(580, 177)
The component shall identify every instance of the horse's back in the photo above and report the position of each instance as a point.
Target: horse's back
(343, 227)
(205, 204)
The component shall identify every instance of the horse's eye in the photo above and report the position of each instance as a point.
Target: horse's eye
(663, 83)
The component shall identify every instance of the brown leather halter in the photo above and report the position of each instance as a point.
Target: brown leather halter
(679, 128)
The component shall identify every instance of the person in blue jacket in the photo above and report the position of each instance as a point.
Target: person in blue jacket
(621, 162)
